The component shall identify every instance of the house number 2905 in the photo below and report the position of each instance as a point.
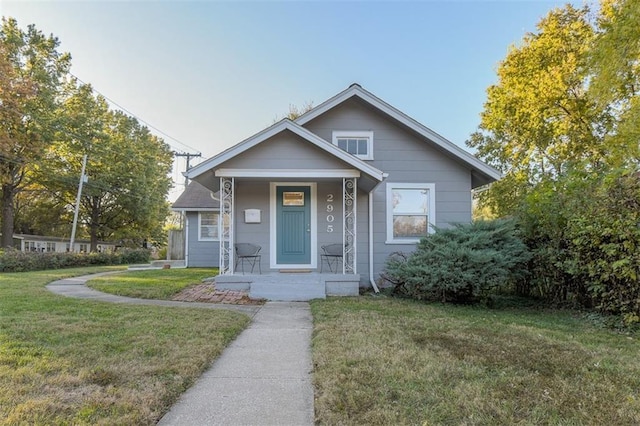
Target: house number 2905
(330, 217)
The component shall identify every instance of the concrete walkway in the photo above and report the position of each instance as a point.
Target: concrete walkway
(261, 378)
(76, 287)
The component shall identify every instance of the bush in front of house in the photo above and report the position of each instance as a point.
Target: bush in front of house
(584, 233)
(462, 264)
(18, 261)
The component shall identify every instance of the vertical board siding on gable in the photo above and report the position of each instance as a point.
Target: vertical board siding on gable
(201, 253)
(407, 158)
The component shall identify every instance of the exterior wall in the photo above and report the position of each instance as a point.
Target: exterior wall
(251, 194)
(330, 216)
(407, 158)
(201, 253)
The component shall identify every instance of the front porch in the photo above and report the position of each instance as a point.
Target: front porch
(291, 286)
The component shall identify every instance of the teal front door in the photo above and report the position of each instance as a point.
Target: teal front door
(293, 225)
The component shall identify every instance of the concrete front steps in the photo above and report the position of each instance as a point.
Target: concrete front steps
(291, 287)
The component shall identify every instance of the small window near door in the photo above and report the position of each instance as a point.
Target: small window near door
(293, 198)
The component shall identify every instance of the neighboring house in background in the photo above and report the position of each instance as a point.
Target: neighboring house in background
(39, 243)
(353, 170)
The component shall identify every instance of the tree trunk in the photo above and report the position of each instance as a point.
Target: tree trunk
(8, 195)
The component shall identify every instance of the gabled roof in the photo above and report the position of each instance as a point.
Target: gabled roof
(196, 197)
(275, 129)
(483, 173)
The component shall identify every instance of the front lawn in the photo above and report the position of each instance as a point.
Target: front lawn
(71, 361)
(388, 361)
(152, 284)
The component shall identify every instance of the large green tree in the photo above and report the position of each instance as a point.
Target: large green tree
(124, 197)
(538, 118)
(615, 60)
(31, 73)
(563, 123)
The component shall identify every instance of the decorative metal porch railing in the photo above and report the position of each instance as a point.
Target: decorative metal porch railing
(349, 191)
(227, 186)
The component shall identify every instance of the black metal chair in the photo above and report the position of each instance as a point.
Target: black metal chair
(333, 254)
(249, 253)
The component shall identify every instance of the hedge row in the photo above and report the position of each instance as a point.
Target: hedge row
(17, 261)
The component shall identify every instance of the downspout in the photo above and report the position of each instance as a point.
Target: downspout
(186, 239)
(371, 280)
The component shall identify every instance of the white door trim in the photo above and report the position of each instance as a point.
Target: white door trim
(273, 259)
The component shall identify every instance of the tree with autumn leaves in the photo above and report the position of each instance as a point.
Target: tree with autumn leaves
(32, 73)
(48, 122)
(563, 125)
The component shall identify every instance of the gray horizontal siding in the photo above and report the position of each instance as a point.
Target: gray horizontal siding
(253, 195)
(202, 254)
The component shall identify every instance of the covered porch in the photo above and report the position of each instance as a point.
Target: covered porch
(292, 220)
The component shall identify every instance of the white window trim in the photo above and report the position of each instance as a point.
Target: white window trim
(200, 238)
(340, 134)
(431, 187)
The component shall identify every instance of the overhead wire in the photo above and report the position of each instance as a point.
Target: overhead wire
(111, 101)
(82, 138)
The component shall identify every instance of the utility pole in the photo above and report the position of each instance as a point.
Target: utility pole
(188, 156)
(83, 179)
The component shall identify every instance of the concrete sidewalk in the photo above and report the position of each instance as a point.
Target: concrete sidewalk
(262, 378)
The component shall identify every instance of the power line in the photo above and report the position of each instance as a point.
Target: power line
(134, 115)
(83, 137)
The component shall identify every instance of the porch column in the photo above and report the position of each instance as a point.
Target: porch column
(227, 257)
(349, 192)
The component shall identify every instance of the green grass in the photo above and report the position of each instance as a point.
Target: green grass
(70, 361)
(388, 361)
(152, 284)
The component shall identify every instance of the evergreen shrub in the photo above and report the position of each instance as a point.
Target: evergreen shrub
(462, 264)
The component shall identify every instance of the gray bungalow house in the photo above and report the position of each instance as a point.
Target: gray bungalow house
(353, 173)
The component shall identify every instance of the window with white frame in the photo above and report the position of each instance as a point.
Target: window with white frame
(410, 211)
(51, 247)
(358, 143)
(208, 226)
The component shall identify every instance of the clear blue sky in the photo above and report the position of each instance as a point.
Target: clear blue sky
(211, 74)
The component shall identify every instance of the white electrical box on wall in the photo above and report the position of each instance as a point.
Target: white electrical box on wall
(252, 216)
